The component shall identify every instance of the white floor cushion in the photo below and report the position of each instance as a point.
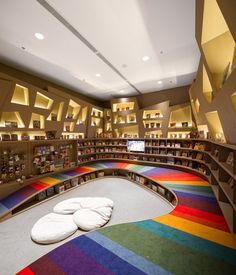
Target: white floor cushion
(89, 219)
(53, 228)
(71, 205)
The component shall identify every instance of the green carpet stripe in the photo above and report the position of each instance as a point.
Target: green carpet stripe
(172, 256)
(196, 243)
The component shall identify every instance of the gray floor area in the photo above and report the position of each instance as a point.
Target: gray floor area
(132, 203)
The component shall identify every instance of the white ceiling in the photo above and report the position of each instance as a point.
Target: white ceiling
(122, 31)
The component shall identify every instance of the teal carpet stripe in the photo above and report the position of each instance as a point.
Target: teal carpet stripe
(201, 245)
(127, 255)
(136, 167)
(3, 208)
(206, 189)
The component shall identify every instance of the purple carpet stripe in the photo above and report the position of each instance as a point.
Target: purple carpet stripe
(71, 173)
(106, 258)
(74, 261)
(127, 255)
(195, 197)
(202, 194)
(200, 205)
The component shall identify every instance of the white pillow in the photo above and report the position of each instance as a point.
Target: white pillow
(53, 228)
(89, 219)
(71, 205)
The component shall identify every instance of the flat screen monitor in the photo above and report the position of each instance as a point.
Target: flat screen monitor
(136, 146)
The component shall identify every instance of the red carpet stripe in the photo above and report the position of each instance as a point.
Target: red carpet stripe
(200, 220)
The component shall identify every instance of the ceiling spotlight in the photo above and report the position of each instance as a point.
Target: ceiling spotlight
(39, 36)
(159, 82)
(145, 58)
(23, 48)
(97, 75)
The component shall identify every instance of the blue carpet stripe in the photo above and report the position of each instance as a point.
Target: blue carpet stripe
(127, 255)
(208, 195)
(196, 243)
(104, 257)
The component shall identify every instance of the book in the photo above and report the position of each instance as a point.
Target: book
(230, 158)
(36, 124)
(199, 156)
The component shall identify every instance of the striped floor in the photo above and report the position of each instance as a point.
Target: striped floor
(193, 239)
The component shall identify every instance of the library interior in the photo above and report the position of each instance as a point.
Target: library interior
(117, 144)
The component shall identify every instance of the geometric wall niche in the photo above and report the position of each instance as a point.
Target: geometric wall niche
(56, 113)
(197, 105)
(73, 110)
(43, 101)
(181, 117)
(11, 120)
(215, 126)
(217, 43)
(233, 99)
(82, 116)
(20, 95)
(206, 86)
(37, 121)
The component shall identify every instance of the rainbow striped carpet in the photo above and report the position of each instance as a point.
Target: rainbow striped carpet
(193, 239)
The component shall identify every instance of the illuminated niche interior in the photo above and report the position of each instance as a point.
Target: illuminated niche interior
(96, 112)
(206, 86)
(56, 112)
(11, 120)
(95, 121)
(152, 124)
(233, 100)
(153, 134)
(82, 116)
(215, 126)
(217, 43)
(153, 114)
(122, 106)
(203, 128)
(20, 95)
(37, 121)
(69, 135)
(43, 101)
(73, 110)
(129, 131)
(181, 118)
(131, 118)
(69, 126)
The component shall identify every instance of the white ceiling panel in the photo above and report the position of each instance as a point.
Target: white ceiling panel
(121, 31)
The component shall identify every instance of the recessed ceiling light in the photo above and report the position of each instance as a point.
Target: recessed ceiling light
(145, 58)
(97, 75)
(124, 66)
(38, 35)
(23, 48)
(122, 91)
(159, 82)
(161, 52)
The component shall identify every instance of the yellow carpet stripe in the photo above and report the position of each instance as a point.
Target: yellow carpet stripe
(197, 183)
(50, 180)
(202, 231)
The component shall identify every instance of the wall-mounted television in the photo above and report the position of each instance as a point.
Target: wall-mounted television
(136, 145)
